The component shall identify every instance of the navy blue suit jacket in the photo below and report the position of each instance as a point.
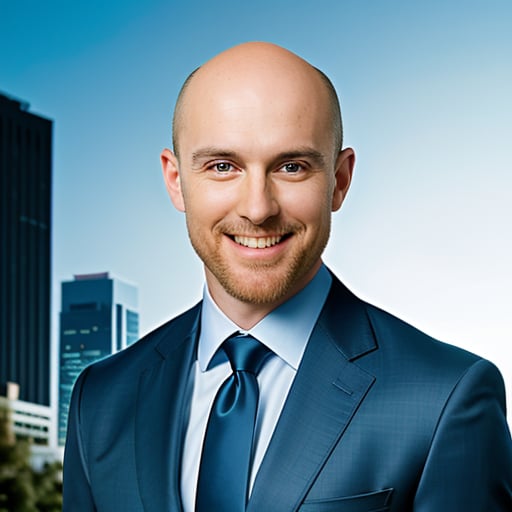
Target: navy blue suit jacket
(380, 417)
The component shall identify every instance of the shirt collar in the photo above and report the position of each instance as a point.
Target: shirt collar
(285, 330)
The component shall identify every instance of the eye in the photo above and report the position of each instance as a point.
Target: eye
(291, 167)
(222, 167)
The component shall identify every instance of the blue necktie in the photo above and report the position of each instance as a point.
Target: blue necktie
(227, 449)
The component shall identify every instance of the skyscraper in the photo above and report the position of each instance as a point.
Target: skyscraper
(25, 237)
(98, 318)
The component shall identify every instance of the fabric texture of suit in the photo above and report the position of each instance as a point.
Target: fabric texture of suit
(380, 417)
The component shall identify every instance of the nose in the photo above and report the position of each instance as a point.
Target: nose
(257, 199)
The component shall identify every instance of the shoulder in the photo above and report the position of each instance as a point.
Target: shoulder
(400, 348)
(439, 372)
(393, 333)
(404, 342)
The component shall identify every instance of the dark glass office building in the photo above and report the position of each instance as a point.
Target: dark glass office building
(98, 318)
(25, 236)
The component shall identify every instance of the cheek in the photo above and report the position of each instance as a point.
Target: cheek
(204, 205)
(310, 202)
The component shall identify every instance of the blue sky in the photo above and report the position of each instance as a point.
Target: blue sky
(425, 91)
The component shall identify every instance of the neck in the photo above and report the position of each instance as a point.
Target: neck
(242, 314)
(247, 314)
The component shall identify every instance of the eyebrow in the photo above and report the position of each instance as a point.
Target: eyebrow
(306, 152)
(300, 152)
(211, 152)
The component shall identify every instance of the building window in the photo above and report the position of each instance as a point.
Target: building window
(132, 327)
(119, 326)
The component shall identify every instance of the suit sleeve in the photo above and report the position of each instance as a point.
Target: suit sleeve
(77, 495)
(469, 465)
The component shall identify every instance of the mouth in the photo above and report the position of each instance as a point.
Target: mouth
(259, 242)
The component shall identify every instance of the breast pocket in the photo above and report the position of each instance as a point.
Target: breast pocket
(379, 501)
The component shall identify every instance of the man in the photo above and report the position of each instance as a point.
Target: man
(352, 409)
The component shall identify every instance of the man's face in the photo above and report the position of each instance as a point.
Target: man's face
(258, 179)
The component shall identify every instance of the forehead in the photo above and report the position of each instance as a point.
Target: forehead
(260, 102)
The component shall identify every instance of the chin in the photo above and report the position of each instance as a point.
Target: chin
(259, 286)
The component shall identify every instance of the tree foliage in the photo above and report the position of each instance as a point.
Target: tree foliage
(22, 488)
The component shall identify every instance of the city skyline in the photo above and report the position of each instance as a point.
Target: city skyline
(425, 97)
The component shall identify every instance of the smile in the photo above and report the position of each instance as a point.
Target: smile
(257, 242)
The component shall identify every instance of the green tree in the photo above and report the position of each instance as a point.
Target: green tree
(23, 489)
(48, 488)
(16, 489)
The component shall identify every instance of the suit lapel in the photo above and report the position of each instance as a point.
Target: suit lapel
(161, 399)
(326, 393)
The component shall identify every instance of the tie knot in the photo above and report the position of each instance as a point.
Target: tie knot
(245, 353)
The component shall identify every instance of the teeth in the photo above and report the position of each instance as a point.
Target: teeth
(257, 243)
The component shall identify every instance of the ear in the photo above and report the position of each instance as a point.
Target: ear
(172, 178)
(343, 176)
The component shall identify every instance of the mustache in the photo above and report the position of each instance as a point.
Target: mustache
(247, 228)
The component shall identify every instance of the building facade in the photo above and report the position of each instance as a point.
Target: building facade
(98, 317)
(27, 420)
(32, 422)
(25, 238)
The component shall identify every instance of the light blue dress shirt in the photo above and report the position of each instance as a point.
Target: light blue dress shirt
(285, 331)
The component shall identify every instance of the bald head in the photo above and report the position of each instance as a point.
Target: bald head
(259, 73)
